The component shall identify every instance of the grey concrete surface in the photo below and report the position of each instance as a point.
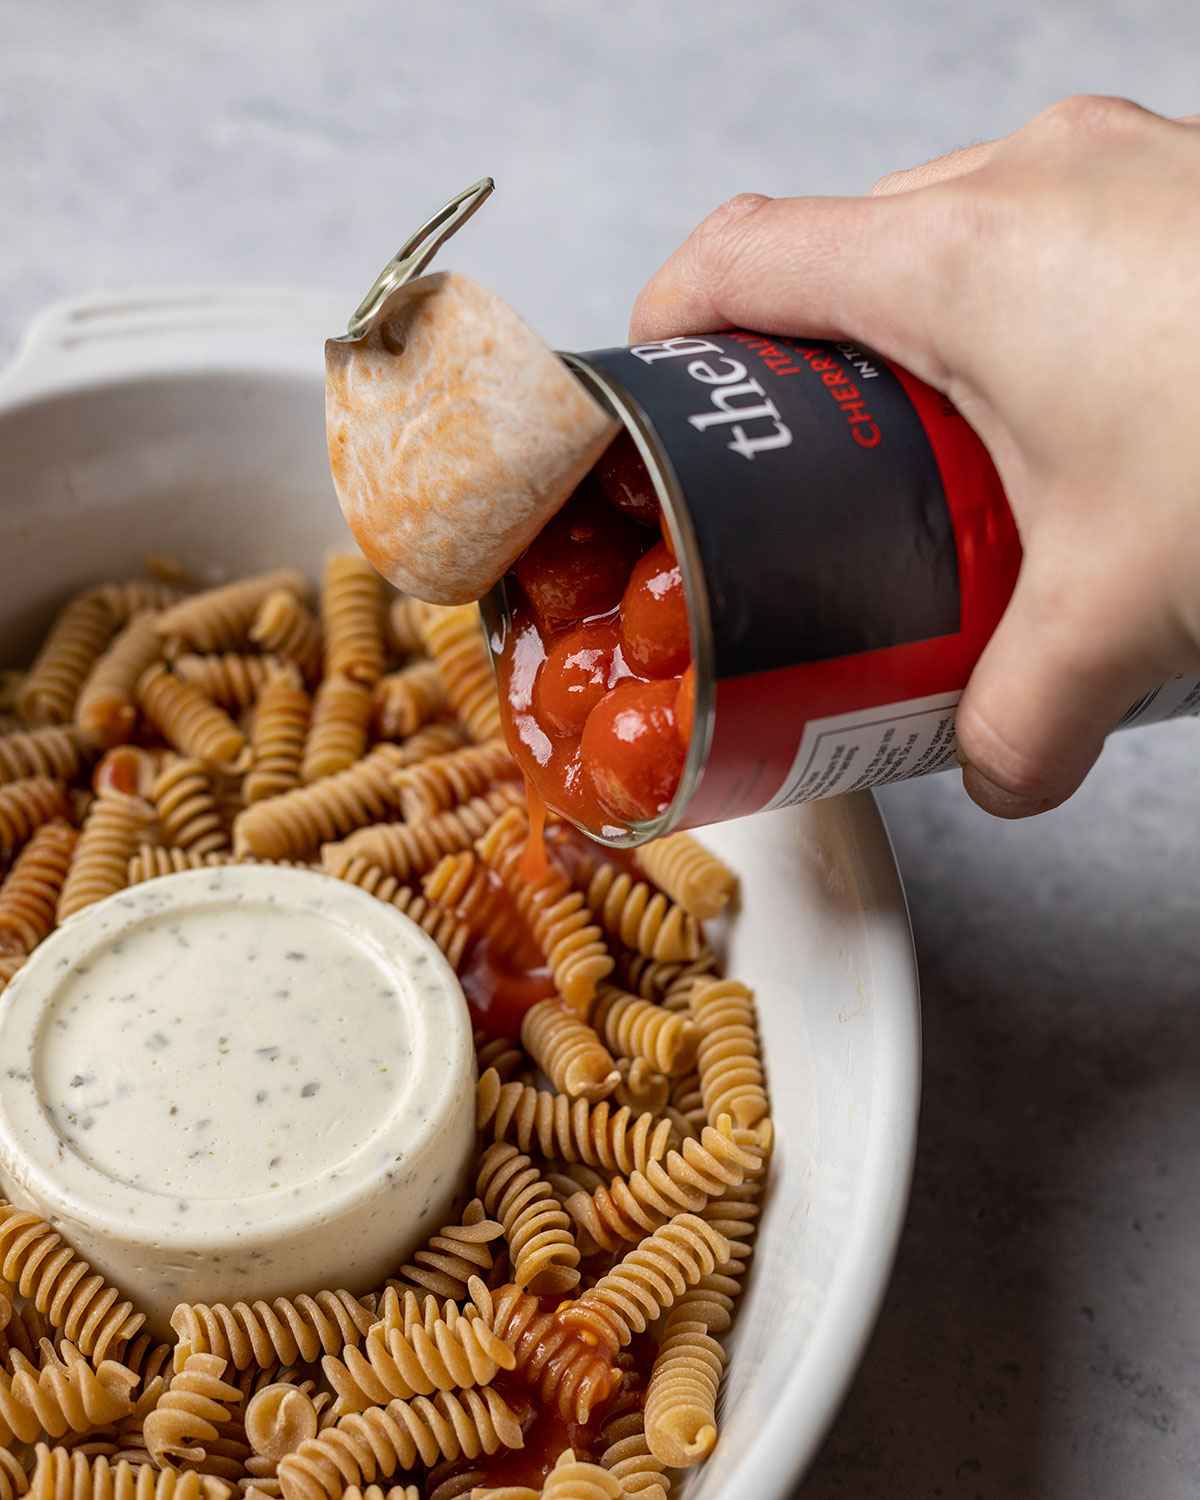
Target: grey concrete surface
(1042, 1334)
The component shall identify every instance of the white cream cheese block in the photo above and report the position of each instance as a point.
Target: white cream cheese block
(237, 1083)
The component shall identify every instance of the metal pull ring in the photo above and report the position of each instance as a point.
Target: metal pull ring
(415, 254)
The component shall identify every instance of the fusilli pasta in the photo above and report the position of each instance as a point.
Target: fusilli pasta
(337, 737)
(80, 633)
(407, 850)
(191, 1411)
(115, 825)
(731, 1073)
(285, 627)
(407, 699)
(296, 823)
(29, 895)
(37, 1261)
(106, 711)
(570, 1129)
(569, 1052)
(190, 721)
(454, 639)
(446, 781)
(447, 1261)
(352, 608)
(220, 618)
(65, 1394)
(64, 1475)
(680, 865)
(187, 808)
(637, 1029)
(278, 738)
(58, 752)
(273, 1333)
(230, 680)
(544, 1253)
(25, 805)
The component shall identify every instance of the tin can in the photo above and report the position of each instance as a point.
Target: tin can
(847, 550)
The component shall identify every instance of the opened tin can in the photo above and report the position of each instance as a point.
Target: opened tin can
(847, 550)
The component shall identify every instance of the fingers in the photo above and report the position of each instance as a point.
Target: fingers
(940, 169)
(1042, 698)
(824, 267)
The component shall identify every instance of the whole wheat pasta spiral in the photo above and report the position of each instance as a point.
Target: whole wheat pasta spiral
(64, 1475)
(272, 1333)
(447, 1261)
(190, 721)
(625, 1453)
(285, 627)
(403, 626)
(446, 781)
(500, 1053)
(682, 867)
(54, 751)
(147, 1358)
(640, 1087)
(151, 861)
(341, 717)
(454, 639)
(295, 824)
(730, 1067)
(569, 1129)
(80, 1304)
(280, 1417)
(80, 633)
(377, 1492)
(646, 1281)
(10, 964)
(11, 679)
(220, 618)
(352, 608)
(642, 919)
(115, 825)
(572, 1479)
(29, 895)
(636, 1028)
(280, 732)
(106, 711)
(137, 596)
(557, 915)
(438, 738)
(454, 1353)
(230, 680)
(377, 1442)
(191, 1412)
(544, 1254)
(66, 1394)
(407, 699)
(451, 935)
(568, 1051)
(186, 805)
(26, 805)
(666, 984)
(460, 883)
(24, 1330)
(685, 1182)
(406, 850)
(569, 1375)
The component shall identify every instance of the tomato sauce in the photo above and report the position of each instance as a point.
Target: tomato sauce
(593, 676)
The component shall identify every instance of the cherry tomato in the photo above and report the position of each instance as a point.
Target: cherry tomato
(654, 625)
(575, 676)
(685, 705)
(625, 481)
(577, 565)
(632, 750)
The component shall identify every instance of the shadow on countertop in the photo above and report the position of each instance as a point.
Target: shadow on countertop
(1041, 1334)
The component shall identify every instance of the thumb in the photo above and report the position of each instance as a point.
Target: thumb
(1043, 696)
(868, 269)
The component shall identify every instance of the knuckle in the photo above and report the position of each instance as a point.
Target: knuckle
(1091, 114)
(716, 238)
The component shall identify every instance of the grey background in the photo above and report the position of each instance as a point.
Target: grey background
(1042, 1333)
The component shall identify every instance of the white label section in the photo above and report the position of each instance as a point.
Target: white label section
(847, 752)
(893, 741)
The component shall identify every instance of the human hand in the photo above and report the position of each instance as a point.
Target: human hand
(1047, 283)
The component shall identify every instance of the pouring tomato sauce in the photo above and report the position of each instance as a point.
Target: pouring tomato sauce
(596, 677)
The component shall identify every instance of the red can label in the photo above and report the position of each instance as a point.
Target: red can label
(856, 548)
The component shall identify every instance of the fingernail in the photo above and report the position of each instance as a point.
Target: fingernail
(997, 800)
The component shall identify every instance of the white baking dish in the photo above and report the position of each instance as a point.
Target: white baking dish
(191, 423)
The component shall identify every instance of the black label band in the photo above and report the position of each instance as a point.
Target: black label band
(816, 500)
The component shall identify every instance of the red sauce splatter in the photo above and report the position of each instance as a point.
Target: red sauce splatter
(533, 861)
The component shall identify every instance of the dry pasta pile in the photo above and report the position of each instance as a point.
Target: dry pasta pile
(563, 1336)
